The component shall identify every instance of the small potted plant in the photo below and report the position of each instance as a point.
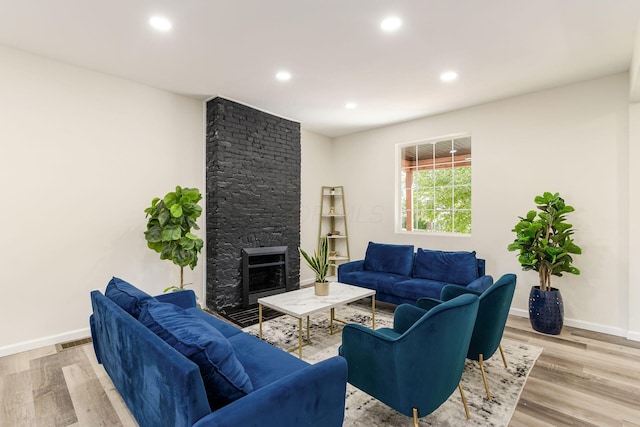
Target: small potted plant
(319, 263)
(544, 243)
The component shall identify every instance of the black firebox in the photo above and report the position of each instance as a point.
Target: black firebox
(264, 273)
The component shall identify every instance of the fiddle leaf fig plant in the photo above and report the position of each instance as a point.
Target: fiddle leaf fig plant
(544, 239)
(319, 262)
(169, 226)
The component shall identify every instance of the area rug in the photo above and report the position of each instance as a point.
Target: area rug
(366, 411)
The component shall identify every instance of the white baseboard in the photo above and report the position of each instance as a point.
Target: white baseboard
(633, 336)
(518, 312)
(307, 282)
(580, 324)
(42, 342)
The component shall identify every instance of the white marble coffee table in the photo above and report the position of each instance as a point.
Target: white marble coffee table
(304, 302)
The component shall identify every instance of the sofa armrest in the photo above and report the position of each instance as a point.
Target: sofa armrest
(350, 267)
(94, 339)
(481, 284)
(313, 396)
(405, 316)
(481, 266)
(427, 303)
(184, 299)
(451, 291)
(136, 359)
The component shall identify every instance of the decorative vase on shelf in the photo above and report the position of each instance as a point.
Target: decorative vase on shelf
(322, 289)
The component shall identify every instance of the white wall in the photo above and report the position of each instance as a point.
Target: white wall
(634, 225)
(83, 154)
(572, 140)
(316, 171)
(634, 191)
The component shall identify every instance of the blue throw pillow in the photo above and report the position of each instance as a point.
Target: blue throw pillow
(127, 296)
(224, 377)
(384, 258)
(459, 268)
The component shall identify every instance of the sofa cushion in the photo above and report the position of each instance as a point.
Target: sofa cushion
(413, 289)
(263, 362)
(459, 268)
(225, 328)
(379, 282)
(224, 377)
(385, 258)
(127, 296)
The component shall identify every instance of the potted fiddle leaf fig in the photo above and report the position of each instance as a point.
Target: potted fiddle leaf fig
(171, 220)
(319, 264)
(545, 244)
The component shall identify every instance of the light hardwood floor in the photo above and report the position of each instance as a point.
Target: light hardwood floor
(582, 378)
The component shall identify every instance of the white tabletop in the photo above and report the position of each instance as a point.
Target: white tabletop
(303, 302)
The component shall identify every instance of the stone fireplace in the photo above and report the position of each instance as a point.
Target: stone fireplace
(252, 196)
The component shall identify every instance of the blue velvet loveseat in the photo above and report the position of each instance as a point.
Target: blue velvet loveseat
(175, 365)
(398, 275)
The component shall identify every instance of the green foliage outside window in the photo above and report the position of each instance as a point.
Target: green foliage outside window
(441, 200)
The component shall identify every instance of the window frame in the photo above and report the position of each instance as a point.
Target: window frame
(398, 214)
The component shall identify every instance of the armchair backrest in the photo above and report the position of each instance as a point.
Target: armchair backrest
(492, 317)
(430, 355)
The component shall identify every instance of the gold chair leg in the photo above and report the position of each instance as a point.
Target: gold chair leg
(484, 377)
(464, 401)
(502, 354)
(415, 417)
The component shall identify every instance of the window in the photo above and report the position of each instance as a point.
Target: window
(435, 185)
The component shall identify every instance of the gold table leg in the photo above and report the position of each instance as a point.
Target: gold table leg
(373, 312)
(302, 342)
(333, 319)
(300, 337)
(333, 313)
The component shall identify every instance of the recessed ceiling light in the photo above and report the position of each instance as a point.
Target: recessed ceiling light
(350, 105)
(160, 23)
(449, 76)
(390, 24)
(453, 151)
(283, 76)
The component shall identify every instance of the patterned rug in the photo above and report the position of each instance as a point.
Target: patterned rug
(365, 411)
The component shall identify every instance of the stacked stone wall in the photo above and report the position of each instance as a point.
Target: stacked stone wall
(252, 194)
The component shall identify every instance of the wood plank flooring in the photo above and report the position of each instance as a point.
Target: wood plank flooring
(582, 378)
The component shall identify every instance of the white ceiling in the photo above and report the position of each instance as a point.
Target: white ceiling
(335, 50)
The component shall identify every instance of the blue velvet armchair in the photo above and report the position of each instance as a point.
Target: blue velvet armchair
(493, 310)
(415, 366)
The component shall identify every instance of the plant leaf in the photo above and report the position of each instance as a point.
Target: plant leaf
(176, 210)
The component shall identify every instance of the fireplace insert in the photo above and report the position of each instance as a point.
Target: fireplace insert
(264, 273)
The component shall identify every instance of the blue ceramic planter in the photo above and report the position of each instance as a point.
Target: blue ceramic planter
(546, 311)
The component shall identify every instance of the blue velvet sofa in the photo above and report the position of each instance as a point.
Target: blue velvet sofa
(398, 275)
(175, 365)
